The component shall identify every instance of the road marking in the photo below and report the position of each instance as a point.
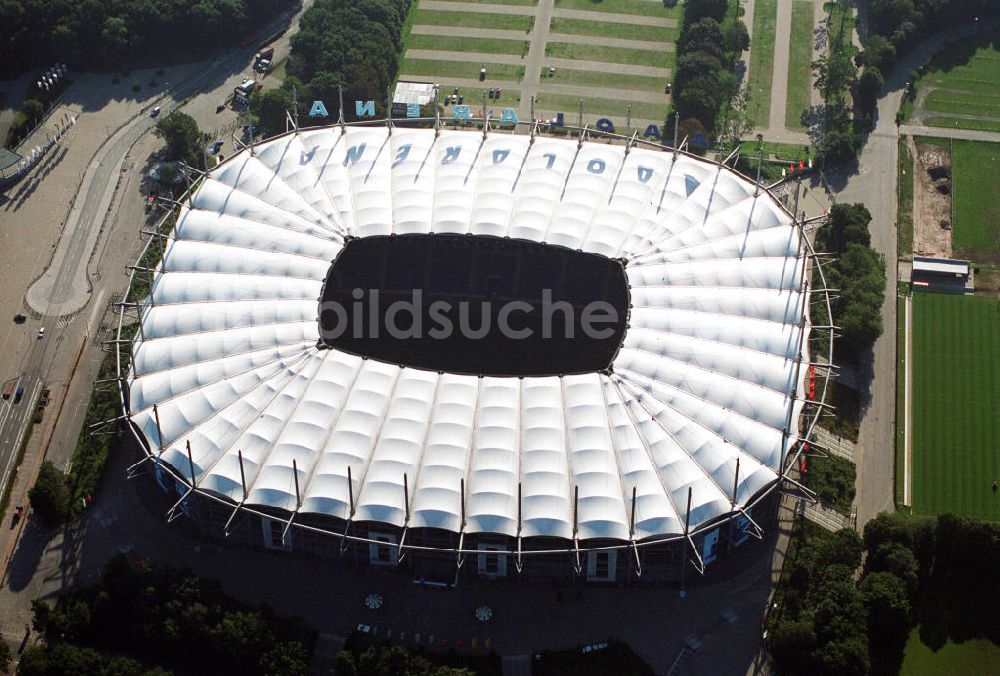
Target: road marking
(17, 444)
(10, 404)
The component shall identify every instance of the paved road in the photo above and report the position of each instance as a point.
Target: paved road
(779, 76)
(875, 185)
(535, 58)
(65, 287)
(946, 132)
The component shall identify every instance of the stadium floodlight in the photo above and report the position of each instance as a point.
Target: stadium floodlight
(683, 423)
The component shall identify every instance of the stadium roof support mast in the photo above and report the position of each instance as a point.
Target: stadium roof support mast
(517, 561)
(758, 532)
(401, 552)
(243, 482)
(350, 516)
(760, 161)
(631, 536)
(577, 567)
(174, 512)
(298, 501)
(460, 558)
(340, 95)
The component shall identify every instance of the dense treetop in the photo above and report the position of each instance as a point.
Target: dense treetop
(115, 33)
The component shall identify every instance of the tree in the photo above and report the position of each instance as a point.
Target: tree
(344, 664)
(185, 142)
(791, 644)
(706, 37)
(834, 73)
(5, 656)
(838, 146)
(843, 657)
(737, 38)
(848, 224)
(888, 606)
(695, 10)
(869, 87)
(269, 110)
(49, 496)
(899, 560)
(879, 52)
(287, 658)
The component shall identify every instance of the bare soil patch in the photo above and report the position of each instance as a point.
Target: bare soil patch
(931, 200)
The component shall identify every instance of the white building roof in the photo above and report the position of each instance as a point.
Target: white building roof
(706, 377)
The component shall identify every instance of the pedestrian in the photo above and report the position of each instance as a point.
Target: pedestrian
(994, 485)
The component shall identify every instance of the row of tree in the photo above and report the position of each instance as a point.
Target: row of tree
(836, 74)
(704, 81)
(162, 617)
(942, 574)
(341, 44)
(112, 33)
(858, 275)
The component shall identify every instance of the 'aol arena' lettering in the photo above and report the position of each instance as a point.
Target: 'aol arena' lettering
(452, 155)
(464, 112)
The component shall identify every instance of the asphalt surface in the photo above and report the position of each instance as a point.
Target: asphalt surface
(66, 287)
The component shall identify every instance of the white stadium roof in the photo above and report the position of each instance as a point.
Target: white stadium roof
(708, 374)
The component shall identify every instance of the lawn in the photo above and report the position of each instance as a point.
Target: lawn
(780, 151)
(625, 31)
(841, 22)
(958, 123)
(956, 393)
(460, 44)
(971, 657)
(644, 57)
(472, 20)
(966, 78)
(640, 7)
(605, 79)
(462, 69)
(975, 167)
(594, 108)
(799, 58)
(762, 62)
(904, 211)
(523, 3)
(473, 97)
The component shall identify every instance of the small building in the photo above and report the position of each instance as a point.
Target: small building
(942, 274)
(409, 92)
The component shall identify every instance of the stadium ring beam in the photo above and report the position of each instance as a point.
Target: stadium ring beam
(704, 410)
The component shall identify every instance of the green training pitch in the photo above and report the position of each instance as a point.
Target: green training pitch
(975, 166)
(765, 14)
(955, 398)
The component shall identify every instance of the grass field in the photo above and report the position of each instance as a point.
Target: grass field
(595, 107)
(898, 489)
(473, 19)
(463, 69)
(605, 79)
(459, 44)
(965, 79)
(644, 57)
(781, 151)
(640, 7)
(956, 394)
(762, 62)
(904, 210)
(971, 657)
(975, 167)
(624, 31)
(799, 58)
(523, 3)
(958, 123)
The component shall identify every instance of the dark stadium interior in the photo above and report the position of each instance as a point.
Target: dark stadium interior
(477, 276)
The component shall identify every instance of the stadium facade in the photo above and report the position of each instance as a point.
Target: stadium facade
(673, 451)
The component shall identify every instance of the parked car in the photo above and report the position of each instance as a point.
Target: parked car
(219, 108)
(41, 333)
(154, 112)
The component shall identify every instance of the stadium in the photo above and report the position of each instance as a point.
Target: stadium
(663, 442)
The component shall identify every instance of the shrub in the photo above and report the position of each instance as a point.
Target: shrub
(49, 496)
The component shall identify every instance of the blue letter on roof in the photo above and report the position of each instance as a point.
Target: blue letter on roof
(364, 108)
(318, 110)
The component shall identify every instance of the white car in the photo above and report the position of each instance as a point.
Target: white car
(41, 333)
